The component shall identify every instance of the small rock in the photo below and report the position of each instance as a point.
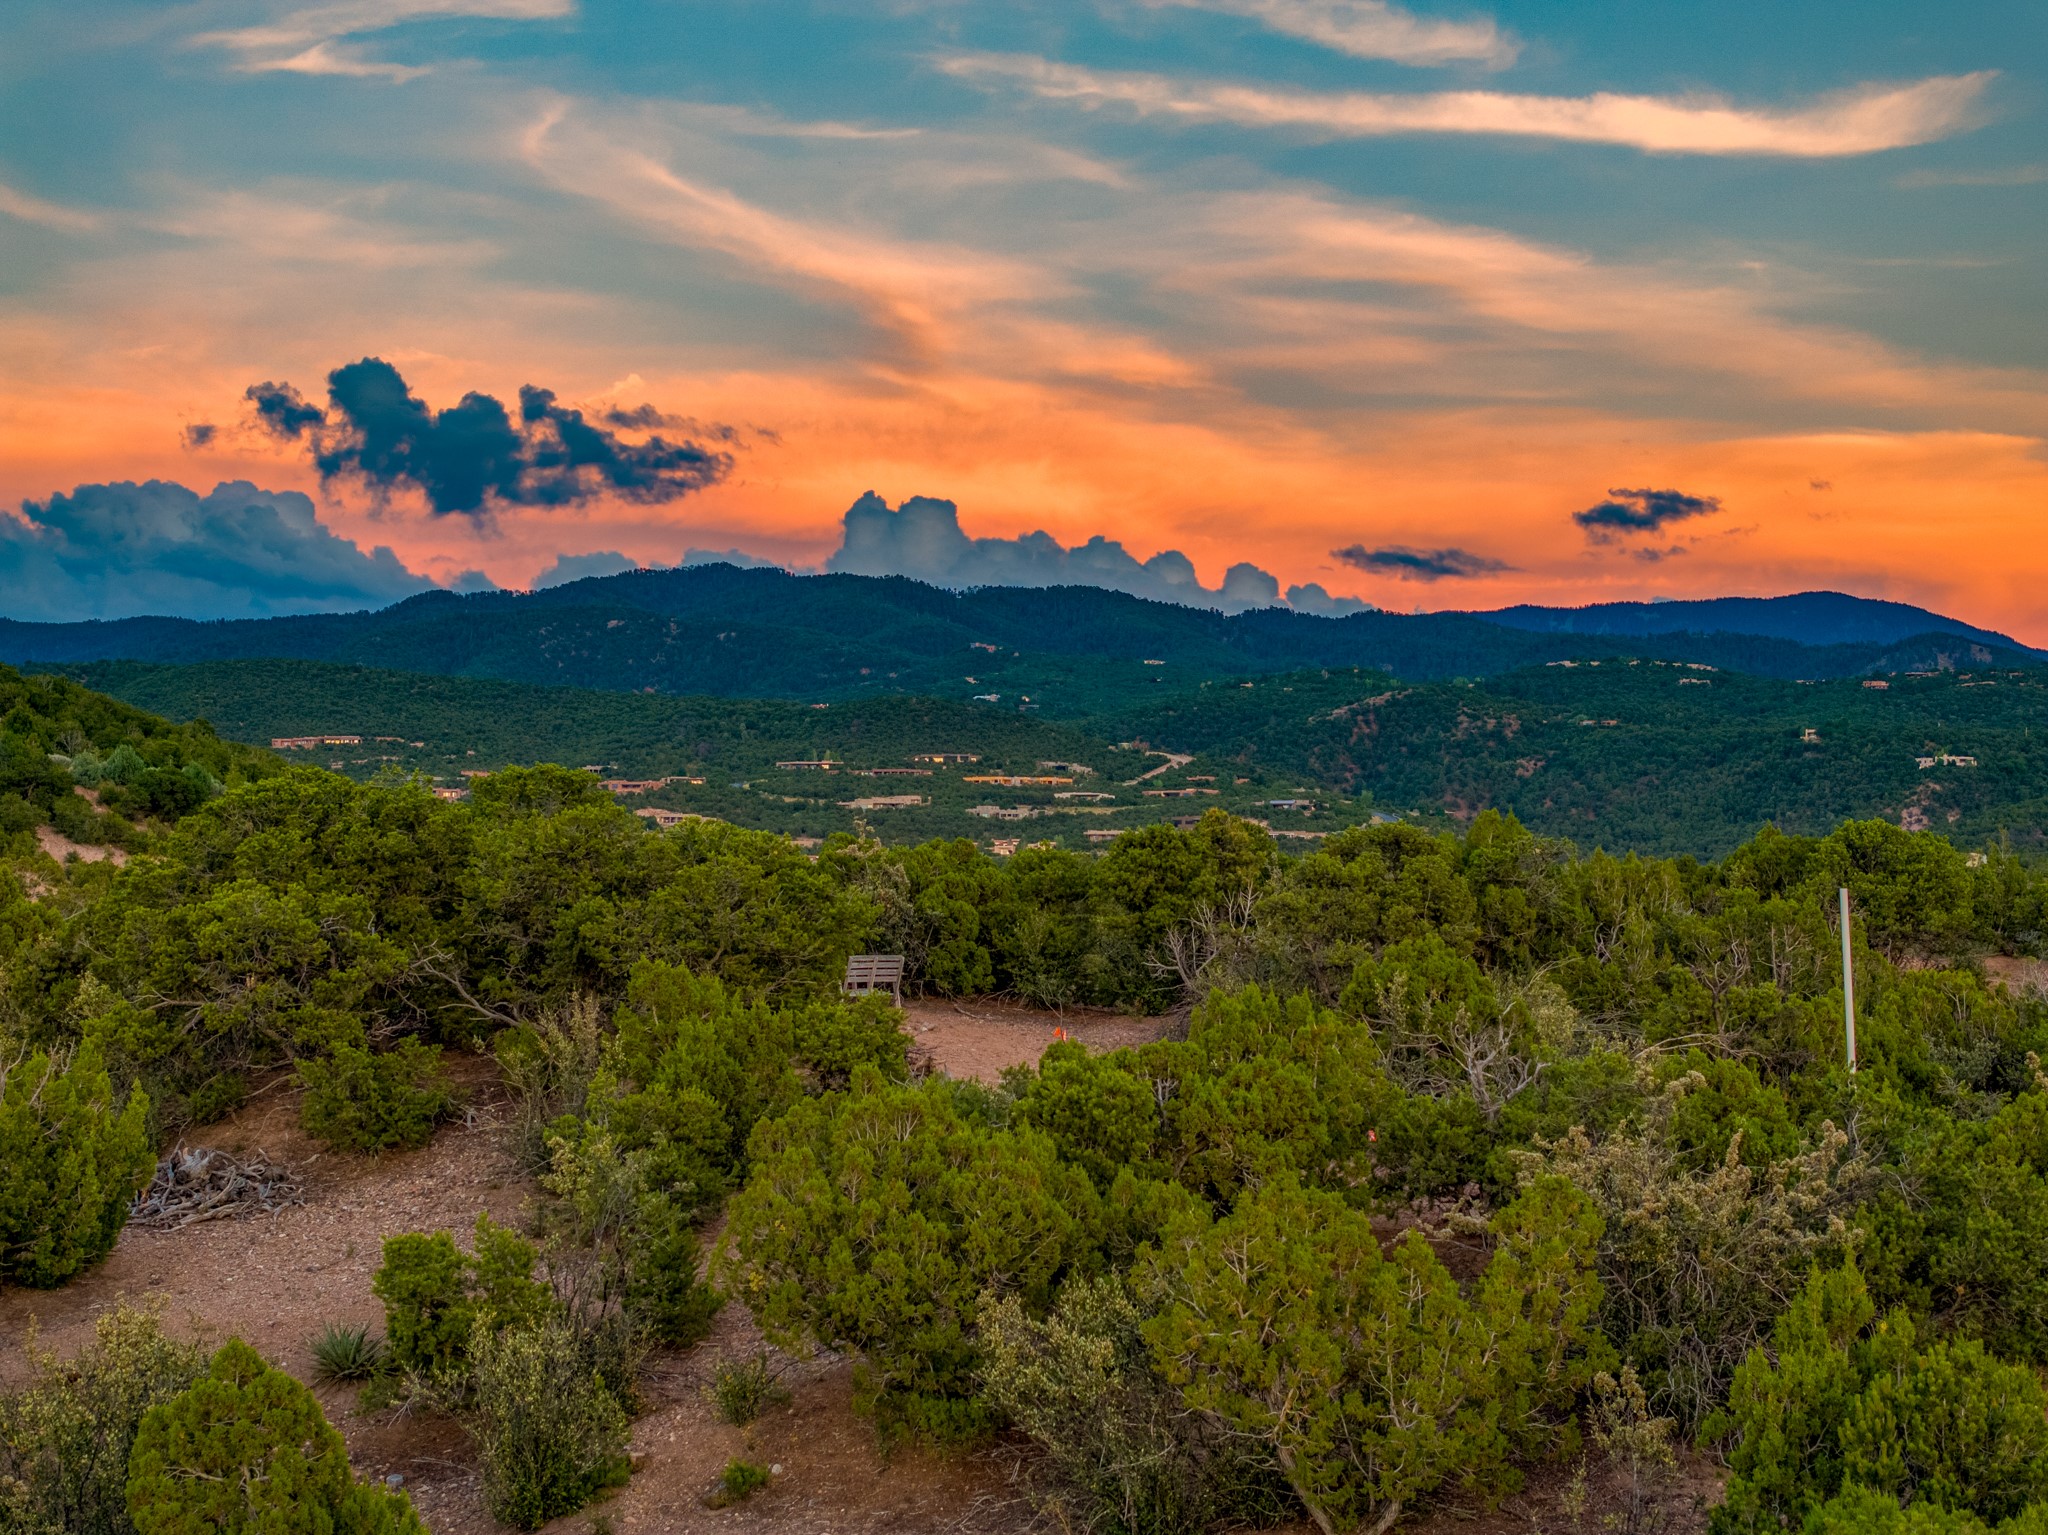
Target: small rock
(776, 1469)
(394, 1481)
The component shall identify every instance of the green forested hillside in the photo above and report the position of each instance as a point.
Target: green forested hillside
(1654, 756)
(448, 726)
(57, 736)
(1648, 756)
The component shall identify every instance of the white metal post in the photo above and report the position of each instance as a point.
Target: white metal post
(1848, 984)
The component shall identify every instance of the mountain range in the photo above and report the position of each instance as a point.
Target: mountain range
(1066, 651)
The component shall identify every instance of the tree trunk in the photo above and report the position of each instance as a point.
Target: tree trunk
(1315, 1509)
(1387, 1519)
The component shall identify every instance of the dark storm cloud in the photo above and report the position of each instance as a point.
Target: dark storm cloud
(1641, 511)
(282, 409)
(473, 456)
(199, 434)
(1420, 564)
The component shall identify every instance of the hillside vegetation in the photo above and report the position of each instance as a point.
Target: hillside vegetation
(1475, 1155)
(57, 737)
(1656, 756)
(1648, 756)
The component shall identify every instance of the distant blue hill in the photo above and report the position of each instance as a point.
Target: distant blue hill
(1072, 650)
(1806, 618)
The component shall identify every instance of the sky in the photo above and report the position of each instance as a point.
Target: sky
(1233, 301)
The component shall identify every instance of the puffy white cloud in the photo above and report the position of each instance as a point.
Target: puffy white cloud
(1312, 598)
(122, 550)
(923, 539)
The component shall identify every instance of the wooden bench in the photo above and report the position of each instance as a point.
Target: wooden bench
(874, 972)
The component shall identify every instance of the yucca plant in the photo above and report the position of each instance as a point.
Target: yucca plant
(345, 1352)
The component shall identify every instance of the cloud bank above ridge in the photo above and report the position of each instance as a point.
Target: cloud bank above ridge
(125, 549)
(923, 539)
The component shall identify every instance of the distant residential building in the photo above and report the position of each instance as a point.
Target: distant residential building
(1078, 769)
(667, 818)
(1003, 847)
(944, 758)
(820, 765)
(1200, 777)
(1945, 759)
(1303, 805)
(1014, 780)
(987, 698)
(891, 773)
(1093, 796)
(885, 802)
(476, 772)
(312, 743)
(1103, 833)
(1176, 793)
(440, 793)
(1155, 663)
(1810, 736)
(1002, 812)
(1874, 683)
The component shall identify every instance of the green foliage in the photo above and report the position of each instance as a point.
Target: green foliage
(361, 1101)
(1367, 1377)
(247, 1448)
(436, 1297)
(73, 1155)
(65, 1435)
(1861, 1511)
(348, 1351)
(1696, 1264)
(1122, 1451)
(549, 1433)
(739, 1481)
(873, 1221)
(630, 1241)
(1960, 1237)
(743, 1389)
(1847, 1401)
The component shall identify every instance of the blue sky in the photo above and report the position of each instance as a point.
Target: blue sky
(1263, 281)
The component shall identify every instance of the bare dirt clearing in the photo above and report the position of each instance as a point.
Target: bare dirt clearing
(980, 1037)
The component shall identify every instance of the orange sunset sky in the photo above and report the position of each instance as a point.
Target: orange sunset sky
(1257, 282)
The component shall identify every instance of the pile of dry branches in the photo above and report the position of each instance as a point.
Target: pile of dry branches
(193, 1184)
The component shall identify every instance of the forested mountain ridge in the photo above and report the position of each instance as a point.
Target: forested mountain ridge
(1073, 650)
(1807, 618)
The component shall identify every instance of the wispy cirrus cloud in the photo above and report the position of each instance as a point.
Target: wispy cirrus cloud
(1862, 120)
(1373, 29)
(317, 40)
(31, 209)
(918, 290)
